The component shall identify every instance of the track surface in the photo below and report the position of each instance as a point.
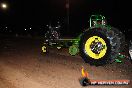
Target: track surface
(23, 66)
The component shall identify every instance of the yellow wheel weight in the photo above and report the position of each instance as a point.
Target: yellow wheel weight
(88, 49)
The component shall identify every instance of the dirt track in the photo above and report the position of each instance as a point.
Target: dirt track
(22, 66)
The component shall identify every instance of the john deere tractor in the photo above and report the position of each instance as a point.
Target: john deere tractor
(99, 44)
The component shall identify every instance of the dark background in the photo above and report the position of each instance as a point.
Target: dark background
(38, 13)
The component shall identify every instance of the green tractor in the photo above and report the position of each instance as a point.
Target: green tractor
(98, 45)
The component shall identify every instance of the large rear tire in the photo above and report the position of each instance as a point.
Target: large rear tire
(99, 46)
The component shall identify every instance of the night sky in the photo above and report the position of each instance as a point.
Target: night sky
(21, 13)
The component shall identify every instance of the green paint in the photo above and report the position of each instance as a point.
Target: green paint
(119, 57)
(118, 61)
(73, 50)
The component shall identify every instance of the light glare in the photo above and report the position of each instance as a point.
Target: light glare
(4, 6)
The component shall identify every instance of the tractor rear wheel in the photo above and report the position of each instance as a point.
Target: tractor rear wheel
(99, 46)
